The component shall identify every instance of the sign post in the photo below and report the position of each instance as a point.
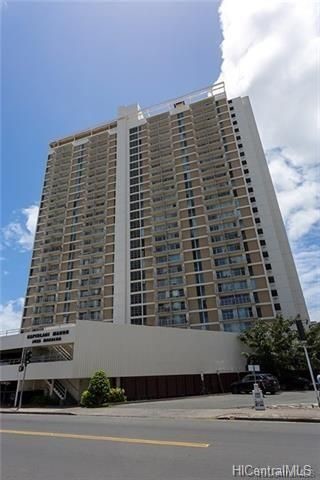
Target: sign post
(257, 394)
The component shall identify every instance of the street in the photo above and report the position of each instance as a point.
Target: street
(47, 447)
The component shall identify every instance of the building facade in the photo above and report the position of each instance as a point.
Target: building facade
(166, 216)
(147, 362)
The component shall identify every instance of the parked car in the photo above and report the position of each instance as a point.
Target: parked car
(296, 383)
(267, 382)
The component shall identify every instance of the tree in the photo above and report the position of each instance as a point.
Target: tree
(276, 347)
(98, 391)
(313, 344)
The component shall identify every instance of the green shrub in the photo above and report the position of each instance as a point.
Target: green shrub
(117, 395)
(98, 391)
(87, 399)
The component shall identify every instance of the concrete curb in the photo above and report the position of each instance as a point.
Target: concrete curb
(270, 419)
(182, 417)
(23, 412)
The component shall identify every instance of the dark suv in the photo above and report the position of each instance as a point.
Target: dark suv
(267, 382)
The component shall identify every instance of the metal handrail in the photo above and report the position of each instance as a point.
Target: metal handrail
(34, 328)
(37, 359)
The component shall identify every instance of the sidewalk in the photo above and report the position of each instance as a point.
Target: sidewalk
(283, 413)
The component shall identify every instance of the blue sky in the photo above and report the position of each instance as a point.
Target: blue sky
(69, 65)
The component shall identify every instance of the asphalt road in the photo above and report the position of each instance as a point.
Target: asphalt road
(47, 447)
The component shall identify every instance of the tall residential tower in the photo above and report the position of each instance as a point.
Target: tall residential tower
(165, 216)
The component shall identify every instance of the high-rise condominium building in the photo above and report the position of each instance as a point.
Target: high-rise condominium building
(165, 216)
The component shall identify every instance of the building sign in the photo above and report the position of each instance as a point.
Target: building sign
(48, 336)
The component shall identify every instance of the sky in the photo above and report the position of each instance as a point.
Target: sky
(67, 66)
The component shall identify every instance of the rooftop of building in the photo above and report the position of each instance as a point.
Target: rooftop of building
(217, 90)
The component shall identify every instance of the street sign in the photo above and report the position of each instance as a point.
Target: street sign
(254, 368)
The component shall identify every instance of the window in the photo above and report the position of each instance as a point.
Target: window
(199, 277)
(136, 287)
(234, 299)
(136, 311)
(198, 266)
(174, 258)
(225, 287)
(201, 291)
(178, 306)
(277, 306)
(227, 314)
(274, 293)
(203, 317)
(176, 281)
(137, 298)
(195, 243)
(196, 254)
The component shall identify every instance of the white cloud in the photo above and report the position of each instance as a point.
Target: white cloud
(20, 233)
(11, 314)
(270, 52)
(308, 265)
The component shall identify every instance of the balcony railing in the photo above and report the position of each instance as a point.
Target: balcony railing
(16, 331)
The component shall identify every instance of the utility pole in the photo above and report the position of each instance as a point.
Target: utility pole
(25, 360)
(21, 368)
(311, 373)
(302, 336)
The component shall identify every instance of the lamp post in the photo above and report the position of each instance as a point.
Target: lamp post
(302, 336)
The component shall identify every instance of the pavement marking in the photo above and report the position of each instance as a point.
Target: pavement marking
(143, 441)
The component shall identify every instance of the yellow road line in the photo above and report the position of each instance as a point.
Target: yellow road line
(109, 439)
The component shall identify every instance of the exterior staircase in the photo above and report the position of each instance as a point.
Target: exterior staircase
(55, 386)
(66, 390)
(63, 351)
